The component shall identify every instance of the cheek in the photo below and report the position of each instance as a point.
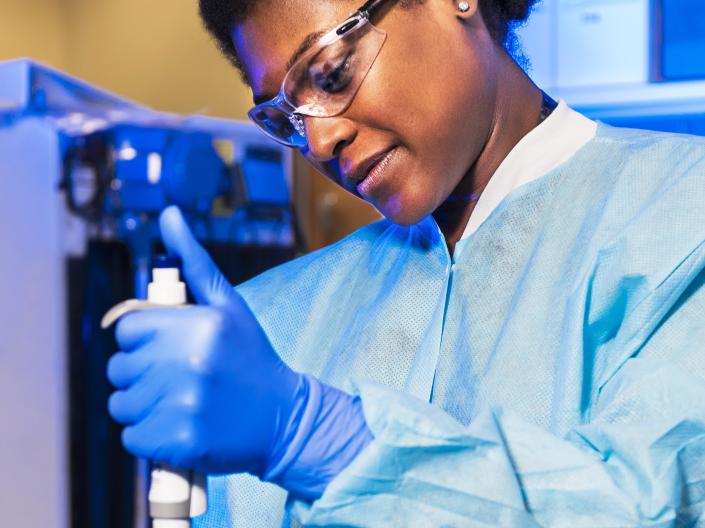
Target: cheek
(415, 92)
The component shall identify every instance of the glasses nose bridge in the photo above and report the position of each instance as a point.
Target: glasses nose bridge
(281, 103)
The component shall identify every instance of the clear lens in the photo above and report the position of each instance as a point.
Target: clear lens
(323, 82)
(278, 125)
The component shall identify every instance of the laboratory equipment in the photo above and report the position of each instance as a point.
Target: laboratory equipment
(83, 175)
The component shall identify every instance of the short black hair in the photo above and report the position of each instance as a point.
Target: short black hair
(221, 16)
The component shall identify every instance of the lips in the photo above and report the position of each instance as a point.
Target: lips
(364, 170)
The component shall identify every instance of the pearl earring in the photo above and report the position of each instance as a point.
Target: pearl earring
(463, 7)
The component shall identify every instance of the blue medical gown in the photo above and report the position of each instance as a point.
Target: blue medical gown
(562, 349)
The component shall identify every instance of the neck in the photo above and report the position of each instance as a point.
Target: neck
(517, 108)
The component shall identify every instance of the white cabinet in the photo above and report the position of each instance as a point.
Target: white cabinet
(602, 42)
(578, 43)
(597, 56)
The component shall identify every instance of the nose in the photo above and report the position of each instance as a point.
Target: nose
(327, 136)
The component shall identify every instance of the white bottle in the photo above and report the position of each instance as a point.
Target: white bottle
(175, 496)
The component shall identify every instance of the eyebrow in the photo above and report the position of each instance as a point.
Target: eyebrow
(305, 45)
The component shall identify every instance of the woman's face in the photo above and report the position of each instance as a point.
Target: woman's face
(421, 117)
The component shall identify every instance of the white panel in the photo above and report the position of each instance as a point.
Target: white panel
(14, 88)
(602, 42)
(33, 414)
(655, 99)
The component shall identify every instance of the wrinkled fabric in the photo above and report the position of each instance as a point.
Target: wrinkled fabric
(562, 350)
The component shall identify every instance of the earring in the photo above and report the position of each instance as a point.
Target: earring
(463, 7)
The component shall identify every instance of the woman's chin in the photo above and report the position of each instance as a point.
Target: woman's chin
(406, 206)
(404, 216)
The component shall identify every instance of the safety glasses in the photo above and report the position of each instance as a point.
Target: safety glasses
(324, 81)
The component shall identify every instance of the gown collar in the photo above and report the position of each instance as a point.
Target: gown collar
(547, 146)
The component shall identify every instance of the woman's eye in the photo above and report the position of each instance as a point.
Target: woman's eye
(333, 77)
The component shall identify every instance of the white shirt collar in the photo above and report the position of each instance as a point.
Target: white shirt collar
(547, 146)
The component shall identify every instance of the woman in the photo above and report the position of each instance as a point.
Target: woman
(524, 329)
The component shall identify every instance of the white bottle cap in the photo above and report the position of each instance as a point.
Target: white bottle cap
(166, 287)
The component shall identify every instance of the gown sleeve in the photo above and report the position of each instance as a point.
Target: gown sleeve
(638, 458)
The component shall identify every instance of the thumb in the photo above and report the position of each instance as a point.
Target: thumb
(203, 277)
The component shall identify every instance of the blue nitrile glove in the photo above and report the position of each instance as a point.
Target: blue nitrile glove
(201, 388)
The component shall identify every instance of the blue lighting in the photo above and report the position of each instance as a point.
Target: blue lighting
(683, 53)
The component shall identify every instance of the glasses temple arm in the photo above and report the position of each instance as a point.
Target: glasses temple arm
(370, 7)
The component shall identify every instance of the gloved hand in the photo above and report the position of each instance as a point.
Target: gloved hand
(201, 388)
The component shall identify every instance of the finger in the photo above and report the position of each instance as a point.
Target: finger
(205, 280)
(160, 437)
(135, 403)
(125, 369)
(138, 328)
